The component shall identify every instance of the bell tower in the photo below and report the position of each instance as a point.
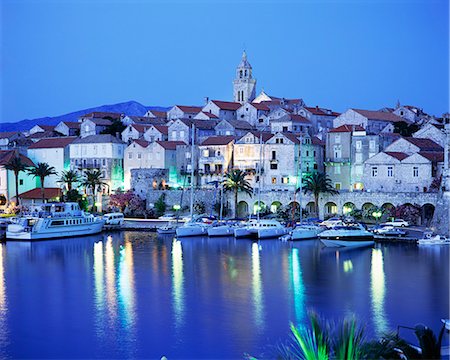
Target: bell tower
(244, 85)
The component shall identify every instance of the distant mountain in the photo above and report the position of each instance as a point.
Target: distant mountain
(127, 108)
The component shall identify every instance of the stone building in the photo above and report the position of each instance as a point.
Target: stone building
(254, 113)
(134, 131)
(180, 130)
(183, 112)
(374, 122)
(294, 123)
(233, 127)
(321, 118)
(244, 85)
(68, 128)
(157, 132)
(215, 158)
(224, 110)
(56, 153)
(103, 152)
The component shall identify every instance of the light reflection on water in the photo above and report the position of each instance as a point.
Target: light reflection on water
(378, 292)
(142, 296)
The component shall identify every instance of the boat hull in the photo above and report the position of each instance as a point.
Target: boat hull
(223, 230)
(304, 234)
(186, 231)
(270, 233)
(69, 231)
(242, 232)
(347, 243)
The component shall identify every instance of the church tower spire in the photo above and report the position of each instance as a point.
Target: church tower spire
(244, 85)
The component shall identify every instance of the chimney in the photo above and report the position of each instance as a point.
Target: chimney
(206, 100)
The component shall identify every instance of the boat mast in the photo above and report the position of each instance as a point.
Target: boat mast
(192, 170)
(221, 198)
(301, 179)
(259, 175)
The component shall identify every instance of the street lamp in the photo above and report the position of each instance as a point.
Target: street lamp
(377, 214)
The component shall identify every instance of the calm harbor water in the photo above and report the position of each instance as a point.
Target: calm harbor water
(138, 295)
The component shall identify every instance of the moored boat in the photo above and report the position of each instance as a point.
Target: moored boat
(305, 232)
(434, 240)
(350, 235)
(57, 220)
(225, 229)
(193, 229)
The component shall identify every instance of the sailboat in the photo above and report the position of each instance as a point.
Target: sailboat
(220, 228)
(193, 227)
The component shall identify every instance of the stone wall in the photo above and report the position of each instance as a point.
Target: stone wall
(142, 180)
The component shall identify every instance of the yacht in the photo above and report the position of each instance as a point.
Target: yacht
(304, 232)
(261, 229)
(195, 228)
(434, 240)
(350, 235)
(55, 221)
(221, 229)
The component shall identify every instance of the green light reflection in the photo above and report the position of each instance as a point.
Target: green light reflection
(298, 287)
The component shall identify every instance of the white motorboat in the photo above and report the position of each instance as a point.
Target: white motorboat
(167, 229)
(304, 232)
(351, 235)
(261, 229)
(193, 229)
(57, 220)
(434, 240)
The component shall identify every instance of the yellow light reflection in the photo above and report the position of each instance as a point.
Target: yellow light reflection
(378, 292)
(99, 275)
(348, 266)
(3, 300)
(111, 299)
(297, 286)
(177, 282)
(126, 283)
(257, 287)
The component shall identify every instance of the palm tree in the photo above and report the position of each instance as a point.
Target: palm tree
(68, 178)
(16, 165)
(92, 180)
(42, 170)
(235, 181)
(318, 183)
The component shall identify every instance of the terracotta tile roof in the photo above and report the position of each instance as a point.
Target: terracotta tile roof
(47, 127)
(200, 124)
(299, 119)
(347, 128)
(189, 109)
(170, 145)
(291, 137)
(162, 129)
(264, 135)
(159, 114)
(8, 134)
(102, 115)
(227, 105)
(51, 143)
(210, 115)
(42, 134)
(260, 106)
(424, 144)
(142, 143)
(101, 122)
(316, 141)
(398, 155)
(71, 124)
(141, 128)
(379, 115)
(7, 155)
(218, 140)
(49, 193)
(320, 111)
(239, 124)
(433, 156)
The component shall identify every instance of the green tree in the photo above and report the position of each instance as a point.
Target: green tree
(92, 180)
(160, 205)
(115, 128)
(41, 171)
(235, 181)
(405, 129)
(69, 178)
(316, 184)
(16, 165)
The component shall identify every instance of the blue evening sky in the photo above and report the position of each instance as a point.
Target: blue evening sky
(60, 56)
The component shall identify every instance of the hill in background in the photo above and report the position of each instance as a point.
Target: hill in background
(127, 108)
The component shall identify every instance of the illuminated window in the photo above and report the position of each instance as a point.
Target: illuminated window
(274, 180)
(285, 180)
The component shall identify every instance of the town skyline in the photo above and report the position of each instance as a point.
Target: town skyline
(318, 69)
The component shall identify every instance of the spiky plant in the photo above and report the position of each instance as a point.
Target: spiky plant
(316, 184)
(41, 171)
(16, 165)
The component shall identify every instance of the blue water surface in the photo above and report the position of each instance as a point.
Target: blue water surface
(136, 295)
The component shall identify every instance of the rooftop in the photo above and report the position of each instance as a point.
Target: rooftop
(51, 143)
(98, 139)
(49, 193)
(347, 128)
(227, 105)
(379, 115)
(7, 155)
(170, 145)
(218, 140)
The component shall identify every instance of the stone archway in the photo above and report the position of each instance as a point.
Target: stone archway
(330, 209)
(275, 206)
(311, 208)
(348, 208)
(242, 210)
(427, 213)
(259, 206)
